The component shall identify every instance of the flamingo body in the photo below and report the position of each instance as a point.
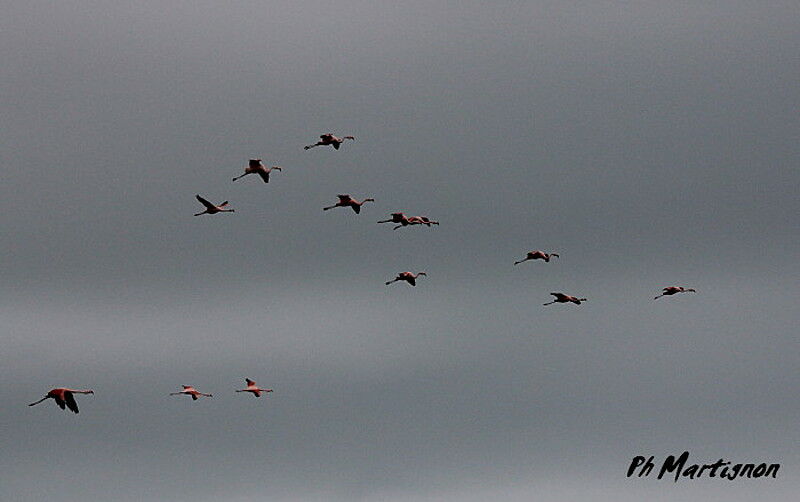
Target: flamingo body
(64, 398)
(190, 391)
(253, 388)
(329, 139)
(673, 290)
(346, 201)
(562, 298)
(408, 277)
(211, 208)
(257, 167)
(537, 255)
(421, 220)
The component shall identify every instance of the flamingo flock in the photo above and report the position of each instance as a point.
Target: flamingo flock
(64, 397)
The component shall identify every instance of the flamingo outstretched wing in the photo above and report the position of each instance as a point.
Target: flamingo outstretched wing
(70, 400)
(59, 401)
(205, 202)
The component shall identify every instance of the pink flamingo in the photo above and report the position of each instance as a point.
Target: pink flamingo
(252, 387)
(671, 290)
(562, 298)
(537, 255)
(346, 201)
(256, 167)
(398, 218)
(329, 139)
(421, 220)
(211, 208)
(408, 277)
(64, 397)
(190, 391)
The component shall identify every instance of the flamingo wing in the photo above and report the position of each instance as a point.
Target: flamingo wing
(205, 202)
(264, 175)
(254, 163)
(70, 401)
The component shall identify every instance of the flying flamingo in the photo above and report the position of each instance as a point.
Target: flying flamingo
(421, 220)
(190, 391)
(256, 167)
(562, 298)
(671, 290)
(211, 208)
(64, 397)
(252, 387)
(346, 201)
(400, 218)
(408, 277)
(537, 255)
(329, 139)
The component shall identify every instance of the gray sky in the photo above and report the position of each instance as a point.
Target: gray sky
(649, 143)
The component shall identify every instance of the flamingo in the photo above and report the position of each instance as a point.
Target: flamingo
(346, 201)
(256, 167)
(562, 298)
(252, 387)
(400, 218)
(421, 220)
(190, 391)
(64, 397)
(211, 208)
(408, 277)
(537, 255)
(329, 139)
(671, 290)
